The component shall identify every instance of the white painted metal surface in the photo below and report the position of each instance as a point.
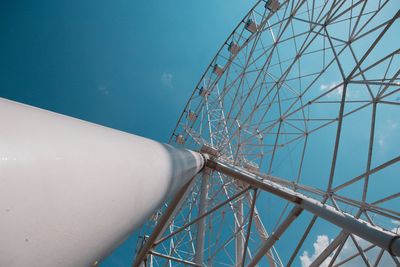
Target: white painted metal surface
(371, 233)
(71, 191)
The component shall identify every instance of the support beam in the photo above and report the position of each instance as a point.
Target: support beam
(199, 252)
(239, 241)
(376, 235)
(264, 236)
(163, 223)
(329, 249)
(355, 255)
(251, 218)
(294, 213)
(174, 259)
(202, 216)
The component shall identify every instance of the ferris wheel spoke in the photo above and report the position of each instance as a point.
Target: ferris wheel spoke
(388, 24)
(377, 210)
(355, 256)
(320, 96)
(294, 213)
(258, 76)
(396, 195)
(370, 150)
(360, 35)
(338, 250)
(292, 77)
(347, 222)
(180, 229)
(336, 56)
(386, 86)
(272, 256)
(374, 170)
(301, 241)
(360, 251)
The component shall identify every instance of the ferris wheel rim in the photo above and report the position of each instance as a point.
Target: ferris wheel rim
(331, 188)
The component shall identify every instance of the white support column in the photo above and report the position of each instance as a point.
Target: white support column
(71, 191)
(199, 254)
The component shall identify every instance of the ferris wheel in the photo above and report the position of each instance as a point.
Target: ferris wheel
(298, 115)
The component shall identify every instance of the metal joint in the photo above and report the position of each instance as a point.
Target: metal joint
(391, 244)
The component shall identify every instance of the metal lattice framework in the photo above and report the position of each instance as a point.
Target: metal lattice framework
(303, 96)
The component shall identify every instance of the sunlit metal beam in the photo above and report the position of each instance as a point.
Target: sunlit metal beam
(174, 259)
(294, 213)
(199, 252)
(163, 223)
(378, 236)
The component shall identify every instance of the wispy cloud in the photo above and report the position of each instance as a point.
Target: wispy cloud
(329, 86)
(103, 90)
(388, 131)
(166, 79)
(353, 92)
(381, 140)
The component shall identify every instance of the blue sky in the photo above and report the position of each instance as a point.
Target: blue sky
(132, 65)
(129, 65)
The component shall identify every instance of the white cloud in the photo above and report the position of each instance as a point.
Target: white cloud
(389, 130)
(319, 245)
(166, 79)
(324, 86)
(392, 124)
(329, 86)
(352, 93)
(349, 249)
(103, 90)
(381, 141)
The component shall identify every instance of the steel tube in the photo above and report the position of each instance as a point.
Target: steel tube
(329, 249)
(376, 235)
(199, 253)
(294, 213)
(168, 257)
(163, 223)
(239, 241)
(71, 191)
(223, 203)
(263, 235)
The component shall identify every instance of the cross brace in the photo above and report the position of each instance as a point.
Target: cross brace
(376, 235)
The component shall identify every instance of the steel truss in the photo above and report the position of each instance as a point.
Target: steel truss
(350, 224)
(376, 235)
(287, 87)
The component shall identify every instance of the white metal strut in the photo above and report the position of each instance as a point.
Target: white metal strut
(376, 235)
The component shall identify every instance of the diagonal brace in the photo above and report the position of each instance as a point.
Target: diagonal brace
(376, 235)
(294, 213)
